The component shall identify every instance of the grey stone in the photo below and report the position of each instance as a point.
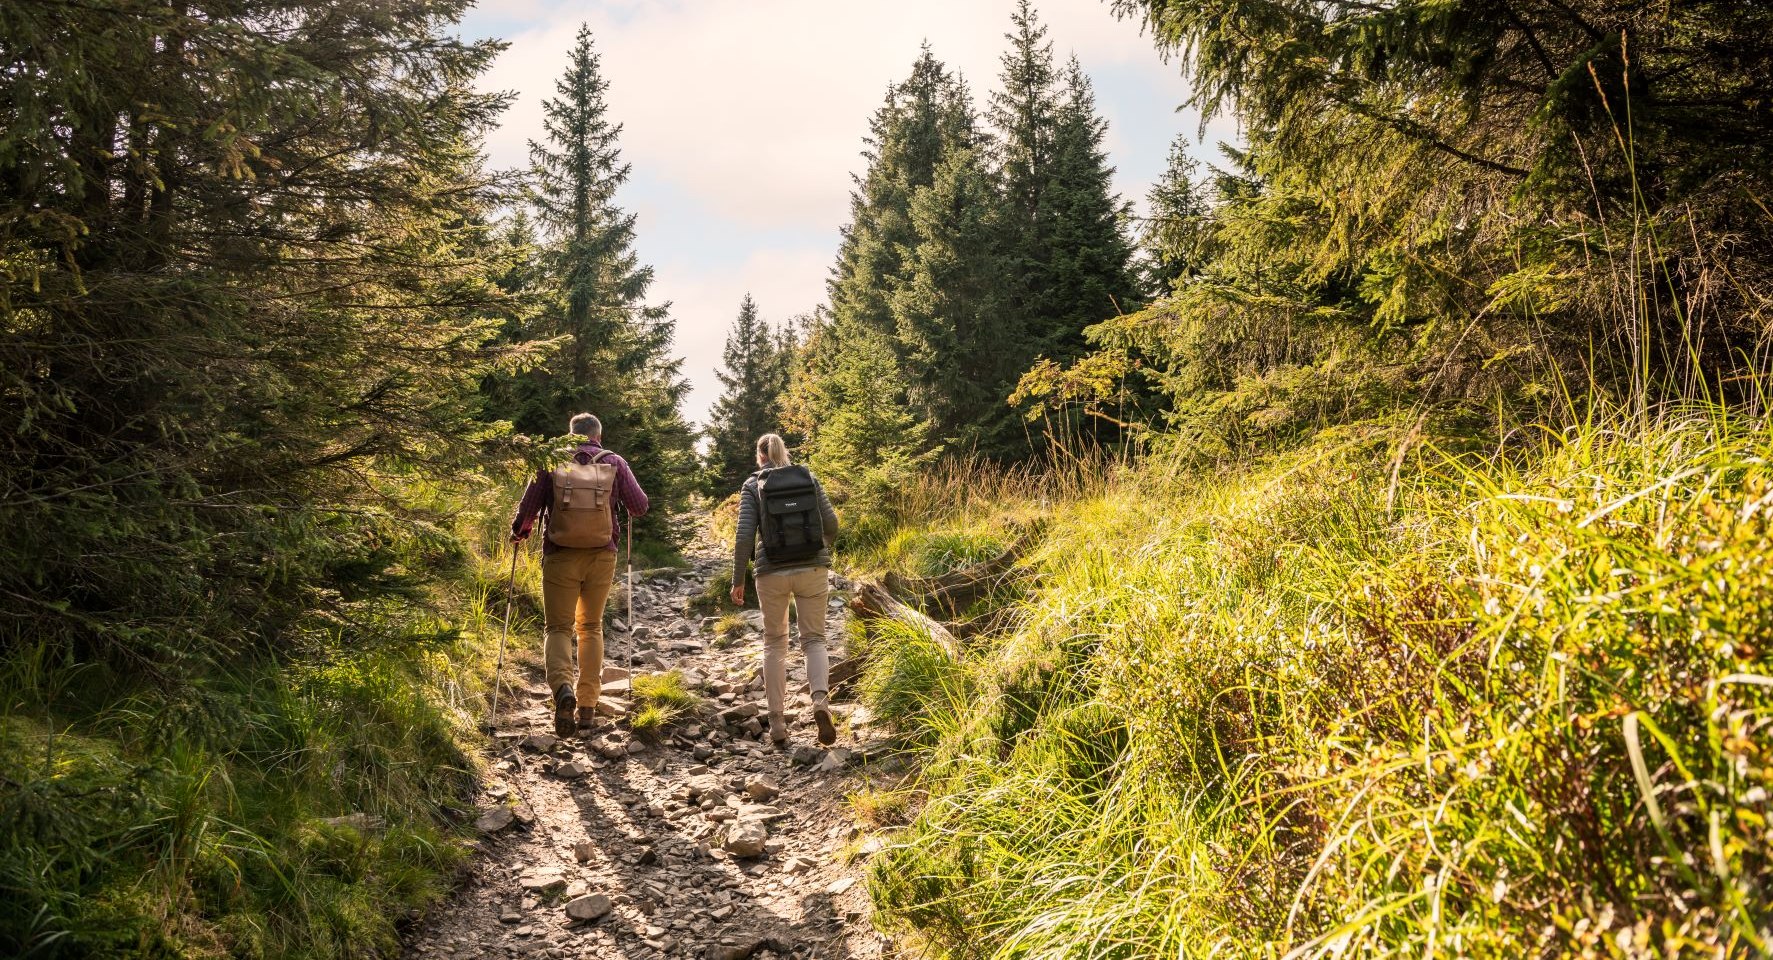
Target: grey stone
(495, 820)
(571, 770)
(588, 908)
(736, 948)
(745, 838)
(543, 883)
(762, 789)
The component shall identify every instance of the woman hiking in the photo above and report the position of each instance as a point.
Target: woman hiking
(787, 521)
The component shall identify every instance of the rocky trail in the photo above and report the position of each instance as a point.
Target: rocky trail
(703, 841)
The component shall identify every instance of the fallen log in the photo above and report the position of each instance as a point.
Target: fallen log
(871, 601)
(952, 593)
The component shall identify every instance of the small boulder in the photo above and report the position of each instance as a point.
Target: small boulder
(762, 789)
(734, 949)
(589, 908)
(495, 820)
(833, 761)
(543, 883)
(745, 838)
(540, 742)
(584, 850)
(571, 770)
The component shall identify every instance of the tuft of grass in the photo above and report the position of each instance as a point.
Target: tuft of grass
(1508, 704)
(664, 690)
(728, 630)
(716, 596)
(662, 699)
(881, 807)
(651, 720)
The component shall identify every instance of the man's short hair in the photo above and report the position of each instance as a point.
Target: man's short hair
(586, 425)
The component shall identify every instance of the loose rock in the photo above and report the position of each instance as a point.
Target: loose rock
(745, 838)
(589, 908)
(495, 820)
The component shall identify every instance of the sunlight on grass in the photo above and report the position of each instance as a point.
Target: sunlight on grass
(1522, 712)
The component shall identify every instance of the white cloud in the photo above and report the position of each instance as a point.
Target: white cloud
(745, 120)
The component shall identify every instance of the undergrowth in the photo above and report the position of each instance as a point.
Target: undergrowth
(294, 806)
(1503, 705)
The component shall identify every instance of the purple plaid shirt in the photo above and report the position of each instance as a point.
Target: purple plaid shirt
(541, 493)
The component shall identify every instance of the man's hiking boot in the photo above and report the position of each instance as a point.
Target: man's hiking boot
(565, 705)
(822, 717)
(778, 730)
(588, 718)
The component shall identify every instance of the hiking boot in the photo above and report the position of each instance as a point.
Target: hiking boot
(565, 705)
(822, 717)
(587, 718)
(778, 730)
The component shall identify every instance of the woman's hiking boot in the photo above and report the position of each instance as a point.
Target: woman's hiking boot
(778, 729)
(822, 717)
(565, 705)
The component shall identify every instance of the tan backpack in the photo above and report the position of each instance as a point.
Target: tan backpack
(582, 514)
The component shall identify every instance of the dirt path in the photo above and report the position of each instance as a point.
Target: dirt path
(612, 846)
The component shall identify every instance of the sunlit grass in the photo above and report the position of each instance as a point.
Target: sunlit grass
(662, 699)
(1523, 711)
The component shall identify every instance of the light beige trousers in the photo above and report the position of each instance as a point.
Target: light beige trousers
(808, 590)
(575, 587)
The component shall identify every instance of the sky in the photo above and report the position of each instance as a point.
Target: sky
(744, 122)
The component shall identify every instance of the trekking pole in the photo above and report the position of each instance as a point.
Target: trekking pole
(630, 572)
(492, 715)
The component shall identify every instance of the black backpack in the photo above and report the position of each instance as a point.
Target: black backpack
(791, 525)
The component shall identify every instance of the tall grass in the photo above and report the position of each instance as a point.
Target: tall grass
(295, 807)
(1514, 704)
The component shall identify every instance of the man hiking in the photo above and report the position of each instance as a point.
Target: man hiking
(786, 521)
(580, 532)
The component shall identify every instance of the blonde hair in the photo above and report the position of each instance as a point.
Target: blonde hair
(773, 450)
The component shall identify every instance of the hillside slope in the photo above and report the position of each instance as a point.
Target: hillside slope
(1521, 712)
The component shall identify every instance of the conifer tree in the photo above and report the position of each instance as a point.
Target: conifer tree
(958, 339)
(753, 379)
(1069, 259)
(1175, 235)
(243, 278)
(922, 120)
(1088, 258)
(614, 357)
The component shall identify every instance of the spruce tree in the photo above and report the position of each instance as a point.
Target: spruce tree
(1064, 230)
(1088, 258)
(243, 280)
(614, 357)
(953, 328)
(1175, 236)
(922, 120)
(752, 380)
